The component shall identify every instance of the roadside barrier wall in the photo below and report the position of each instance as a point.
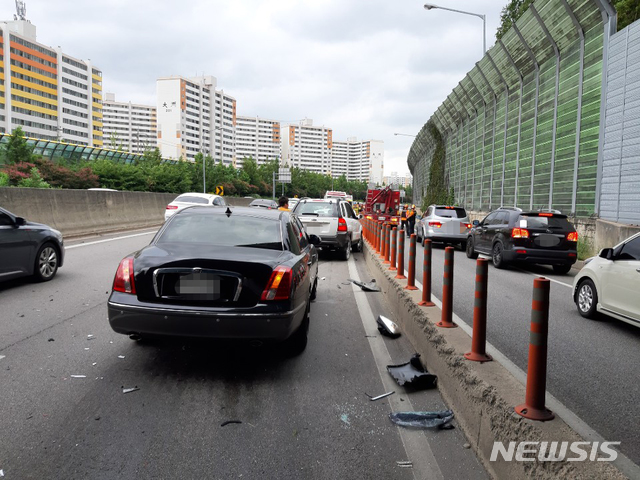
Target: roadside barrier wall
(87, 212)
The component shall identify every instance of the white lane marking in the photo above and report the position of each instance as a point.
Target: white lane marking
(416, 445)
(109, 240)
(543, 276)
(623, 463)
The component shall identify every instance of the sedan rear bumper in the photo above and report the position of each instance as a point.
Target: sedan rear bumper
(143, 318)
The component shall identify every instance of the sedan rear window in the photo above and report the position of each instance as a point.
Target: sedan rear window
(232, 231)
(451, 212)
(318, 209)
(192, 199)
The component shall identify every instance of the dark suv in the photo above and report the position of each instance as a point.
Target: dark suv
(511, 235)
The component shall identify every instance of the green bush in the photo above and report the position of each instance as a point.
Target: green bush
(34, 181)
(4, 179)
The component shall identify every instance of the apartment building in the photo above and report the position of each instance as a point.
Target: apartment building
(257, 138)
(128, 126)
(47, 92)
(307, 146)
(357, 160)
(401, 181)
(194, 117)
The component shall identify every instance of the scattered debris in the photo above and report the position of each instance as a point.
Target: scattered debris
(367, 287)
(388, 327)
(323, 278)
(86, 348)
(412, 373)
(466, 445)
(78, 376)
(339, 287)
(346, 283)
(51, 340)
(422, 419)
(1, 473)
(129, 390)
(94, 363)
(120, 356)
(345, 419)
(405, 464)
(90, 337)
(229, 422)
(97, 418)
(373, 399)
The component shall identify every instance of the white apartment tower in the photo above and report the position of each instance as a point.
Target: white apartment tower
(48, 93)
(194, 117)
(128, 126)
(257, 138)
(307, 147)
(355, 159)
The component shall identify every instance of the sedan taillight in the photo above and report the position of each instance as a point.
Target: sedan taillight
(520, 233)
(342, 225)
(172, 207)
(279, 285)
(123, 281)
(572, 236)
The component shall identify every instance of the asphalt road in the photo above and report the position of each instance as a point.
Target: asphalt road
(592, 364)
(63, 413)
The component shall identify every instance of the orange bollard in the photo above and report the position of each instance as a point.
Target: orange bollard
(400, 274)
(426, 275)
(479, 339)
(534, 407)
(376, 239)
(411, 281)
(392, 259)
(447, 291)
(383, 240)
(387, 243)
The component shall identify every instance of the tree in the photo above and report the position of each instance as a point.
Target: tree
(17, 150)
(510, 14)
(628, 12)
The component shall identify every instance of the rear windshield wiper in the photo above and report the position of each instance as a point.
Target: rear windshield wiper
(311, 213)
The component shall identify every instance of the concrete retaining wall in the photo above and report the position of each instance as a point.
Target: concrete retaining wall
(86, 212)
(482, 395)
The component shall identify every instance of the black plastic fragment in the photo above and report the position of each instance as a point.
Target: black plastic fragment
(366, 287)
(229, 422)
(412, 373)
(439, 419)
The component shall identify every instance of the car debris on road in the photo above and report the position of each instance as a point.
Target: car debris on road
(412, 373)
(422, 419)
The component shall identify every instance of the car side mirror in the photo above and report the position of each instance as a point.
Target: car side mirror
(20, 221)
(314, 239)
(606, 253)
(475, 223)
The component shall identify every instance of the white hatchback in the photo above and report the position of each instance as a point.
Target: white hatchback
(189, 199)
(610, 283)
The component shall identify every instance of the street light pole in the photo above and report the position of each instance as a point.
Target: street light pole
(429, 6)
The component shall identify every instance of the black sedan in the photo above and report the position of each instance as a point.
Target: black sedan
(28, 248)
(220, 272)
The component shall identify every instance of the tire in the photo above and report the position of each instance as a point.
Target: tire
(497, 255)
(561, 269)
(345, 253)
(586, 299)
(419, 236)
(314, 290)
(47, 261)
(471, 252)
(297, 342)
(358, 247)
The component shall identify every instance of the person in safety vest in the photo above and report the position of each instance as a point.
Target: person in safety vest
(411, 220)
(403, 217)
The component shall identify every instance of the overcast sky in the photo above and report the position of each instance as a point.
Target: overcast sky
(366, 69)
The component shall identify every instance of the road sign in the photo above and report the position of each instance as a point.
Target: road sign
(219, 190)
(284, 175)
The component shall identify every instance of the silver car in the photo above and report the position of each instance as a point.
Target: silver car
(444, 223)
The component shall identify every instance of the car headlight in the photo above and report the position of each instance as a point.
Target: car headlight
(588, 260)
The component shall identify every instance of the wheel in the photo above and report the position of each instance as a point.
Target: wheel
(587, 299)
(561, 269)
(46, 263)
(346, 252)
(358, 247)
(419, 235)
(471, 252)
(314, 290)
(297, 342)
(497, 256)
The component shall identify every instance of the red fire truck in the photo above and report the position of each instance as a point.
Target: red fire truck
(382, 204)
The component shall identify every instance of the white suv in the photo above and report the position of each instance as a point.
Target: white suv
(610, 283)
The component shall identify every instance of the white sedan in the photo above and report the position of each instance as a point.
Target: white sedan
(610, 282)
(189, 199)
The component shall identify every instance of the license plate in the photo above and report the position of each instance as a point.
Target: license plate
(200, 284)
(547, 240)
(381, 218)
